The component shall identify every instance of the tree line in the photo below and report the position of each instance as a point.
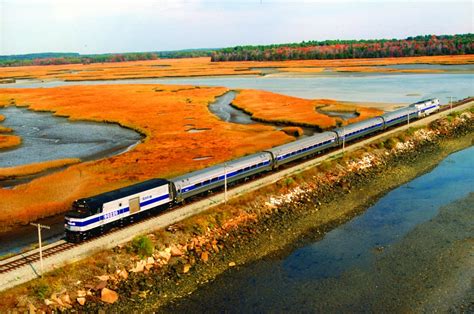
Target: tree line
(75, 58)
(429, 45)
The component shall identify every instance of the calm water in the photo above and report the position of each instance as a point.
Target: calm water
(395, 88)
(46, 137)
(310, 276)
(222, 108)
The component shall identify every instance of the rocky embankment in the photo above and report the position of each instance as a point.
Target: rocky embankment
(157, 269)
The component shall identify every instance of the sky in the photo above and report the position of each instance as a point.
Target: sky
(102, 26)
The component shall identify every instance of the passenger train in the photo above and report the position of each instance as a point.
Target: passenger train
(95, 215)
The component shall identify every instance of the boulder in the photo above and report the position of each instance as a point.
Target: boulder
(164, 255)
(48, 302)
(103, 277)
(108, 296)
(140, 265)
(176, 252)
(66, 298)
(204, 256)
(31, 308)
(57, 300)
(101, 285)
(186, 268)
(81, 300)
(123, 274)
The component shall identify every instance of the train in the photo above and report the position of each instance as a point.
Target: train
(95, 215)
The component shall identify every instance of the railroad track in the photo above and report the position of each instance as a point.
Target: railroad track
(30, 257)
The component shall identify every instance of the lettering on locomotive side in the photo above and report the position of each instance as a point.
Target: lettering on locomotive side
(147, 197)
(111, 214)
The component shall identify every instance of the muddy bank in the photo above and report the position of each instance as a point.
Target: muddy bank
(265, 224)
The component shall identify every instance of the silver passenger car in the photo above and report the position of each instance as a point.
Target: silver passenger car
(304, 147)
(359, 129)
(206, 179)
(398, 116)
(426, 107)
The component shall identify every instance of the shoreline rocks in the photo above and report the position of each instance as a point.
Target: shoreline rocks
(271, 223)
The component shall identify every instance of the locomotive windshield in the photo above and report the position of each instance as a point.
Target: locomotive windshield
(79, 210)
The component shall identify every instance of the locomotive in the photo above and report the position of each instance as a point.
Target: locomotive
(94, 215)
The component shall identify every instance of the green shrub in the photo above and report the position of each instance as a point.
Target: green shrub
(143, 246)
(42, 290)
(402, 137)
(289, 182)
(390, 143)
(454, 114)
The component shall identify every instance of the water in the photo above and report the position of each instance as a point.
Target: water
(443, 67)
(46, 137)
(339, 114)
(221, 108)
(335, 271)
(359, 87)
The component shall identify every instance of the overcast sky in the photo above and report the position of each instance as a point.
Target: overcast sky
(100, 26)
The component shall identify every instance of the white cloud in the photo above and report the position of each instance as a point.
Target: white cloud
(94, 26)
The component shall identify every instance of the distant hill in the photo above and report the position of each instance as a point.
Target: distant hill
(41, 55)
(49, 58)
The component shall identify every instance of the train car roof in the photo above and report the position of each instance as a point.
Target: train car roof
(359, 125)
(122, 192)
(304, 142)
(399, 112)
(217, 169)
(422, 101)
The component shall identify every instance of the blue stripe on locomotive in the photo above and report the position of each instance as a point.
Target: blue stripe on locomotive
(114, 213)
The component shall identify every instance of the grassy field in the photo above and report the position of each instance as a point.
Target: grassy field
(9, 141)
(162, 113)
(203, 67)
(271, 107)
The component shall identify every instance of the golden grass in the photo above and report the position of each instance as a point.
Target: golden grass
(8, 141)
(385, 70)
(276, 108)
(26, 170)
(364, 111)
(203, 67)
(161, 112)
(302, 69)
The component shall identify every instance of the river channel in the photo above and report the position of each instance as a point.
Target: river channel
(46, 137)
(399, 254)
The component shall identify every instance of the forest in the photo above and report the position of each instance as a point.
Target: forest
(428, 45)
(51, 58)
